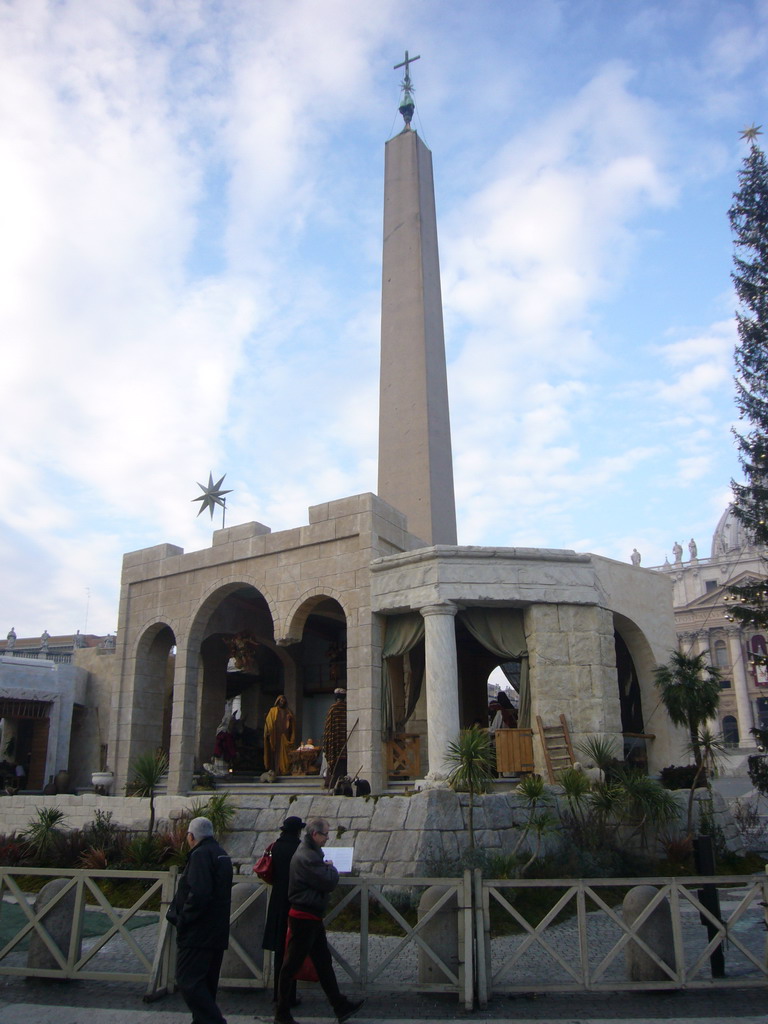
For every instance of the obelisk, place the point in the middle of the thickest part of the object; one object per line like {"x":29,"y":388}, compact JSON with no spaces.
{"x":415,"y":460}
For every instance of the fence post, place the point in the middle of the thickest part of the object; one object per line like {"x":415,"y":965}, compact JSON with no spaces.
{"x":481,"y":945}
{"x":164,"y":960}
{"x":466,"y":937}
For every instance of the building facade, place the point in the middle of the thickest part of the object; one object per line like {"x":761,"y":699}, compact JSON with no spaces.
{"x":55,"y":694}
{"x":704,"y":625}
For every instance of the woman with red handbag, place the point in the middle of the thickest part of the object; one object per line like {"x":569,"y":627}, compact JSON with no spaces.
{"x":276,"y":924}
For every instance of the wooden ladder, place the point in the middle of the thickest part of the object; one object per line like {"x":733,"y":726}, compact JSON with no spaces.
{"x":556,"y":741}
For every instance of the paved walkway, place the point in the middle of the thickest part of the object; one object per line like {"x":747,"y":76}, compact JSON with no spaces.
{"x":33,"y":1002}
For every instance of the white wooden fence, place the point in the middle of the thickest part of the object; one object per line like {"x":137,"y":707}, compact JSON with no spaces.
{"x":580,"y":942}
{"x":479,"y":938}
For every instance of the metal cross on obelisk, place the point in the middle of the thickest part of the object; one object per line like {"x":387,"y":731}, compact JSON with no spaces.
{"x":407,"y":106}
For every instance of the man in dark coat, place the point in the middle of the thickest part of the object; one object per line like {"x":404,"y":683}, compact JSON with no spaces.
{"x":276,"y":924}
{"x":200,"y":913}
{"x":312,"y":880}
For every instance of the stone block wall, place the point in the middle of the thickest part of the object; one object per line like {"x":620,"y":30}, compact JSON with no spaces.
{"x":80,"y":809}
{"x":393,"y":836}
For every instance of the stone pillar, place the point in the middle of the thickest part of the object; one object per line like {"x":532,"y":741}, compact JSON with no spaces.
{"x":740,"y":688}
{"x":58,"y":922}
{"x":655,"y":931}
{"x":572,"y":671}
{"x":184,"y":718}
{"x":441,"y":933}
{"x":442,"y":685}
{"x":248,"y":931}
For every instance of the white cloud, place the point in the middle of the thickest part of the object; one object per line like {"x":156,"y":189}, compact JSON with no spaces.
{"x":190,"y":210}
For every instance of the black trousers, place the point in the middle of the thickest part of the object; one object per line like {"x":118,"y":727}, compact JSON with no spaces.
{"x":197,"y":975}
{"x":307,"y":940}
{"x":277,"y":967}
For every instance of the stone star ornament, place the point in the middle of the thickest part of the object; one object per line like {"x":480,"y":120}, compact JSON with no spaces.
{"x":750,"y":134}
{"x":212,"y":495}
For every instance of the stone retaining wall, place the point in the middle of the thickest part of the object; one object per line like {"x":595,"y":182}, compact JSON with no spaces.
{"x":80,"y":809}
{"x":392,"y":835}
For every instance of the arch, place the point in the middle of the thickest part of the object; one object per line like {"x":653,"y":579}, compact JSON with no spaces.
{"x":234,"y":615}
{"x":148,"y":630}
{"x":318,"y":626}
{"x":221,"y":589}
{"x":304,"y":606}
{"x":152,"y":698}
{"x":635,"y":664}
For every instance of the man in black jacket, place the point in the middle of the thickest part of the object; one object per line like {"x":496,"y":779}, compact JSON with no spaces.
{"x":312,"y":880}
{"x":200,"y":912}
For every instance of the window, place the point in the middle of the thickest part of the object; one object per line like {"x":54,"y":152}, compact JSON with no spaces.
{"x":730,"y":731}
{"x":709,"y":586}
{"x":721,"y":655}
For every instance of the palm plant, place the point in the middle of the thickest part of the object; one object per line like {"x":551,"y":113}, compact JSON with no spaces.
{"x":41,"y":833}
{"x":602,"y":751}
{"x":576,"y":789}
{"x":690,"y":691}
{"x":147,"y":772}
{"x":533,"y":789}
{"x":538,"y":824}
{"x":218,"y":809}
{"x":643,"y":802}
{"x":473,"y":762}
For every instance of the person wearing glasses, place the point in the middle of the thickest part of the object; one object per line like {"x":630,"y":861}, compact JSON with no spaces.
{"x":312,"y":880}
{"x":200,"y":914}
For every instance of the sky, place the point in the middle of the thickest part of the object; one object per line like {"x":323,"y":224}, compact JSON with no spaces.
{"x":190,"y":262}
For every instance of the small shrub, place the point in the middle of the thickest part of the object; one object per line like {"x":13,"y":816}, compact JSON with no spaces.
{"x":502,"y":865}
{"x":143,"y":851}
{"x":101,"y":832}
{"x":570,"y":861}
{"x":93,"y":859}
{"x":679,"y":776}
{"x":678,"y":850}
{"x":11,"y":851}
{"x":752,"y":828}
{"x":66,"y":849}
{"x":172,"y":846}
{"x":757,"y":767}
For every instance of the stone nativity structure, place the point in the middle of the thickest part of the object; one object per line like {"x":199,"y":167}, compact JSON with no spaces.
{"x":374,"y":594}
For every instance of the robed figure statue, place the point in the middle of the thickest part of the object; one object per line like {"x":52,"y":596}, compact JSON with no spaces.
{"x":279,"y":737}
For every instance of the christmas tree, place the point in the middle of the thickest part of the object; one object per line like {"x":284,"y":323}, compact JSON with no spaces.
{"x":748,"y":216}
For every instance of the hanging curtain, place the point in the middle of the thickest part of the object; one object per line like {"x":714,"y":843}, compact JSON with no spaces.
{"x":400,"y":686}
{"x":500,"y":630}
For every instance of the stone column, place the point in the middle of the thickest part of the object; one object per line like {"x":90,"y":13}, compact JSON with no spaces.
{"x":442,"y":685}
{"x":186,"y":683}
{"x":740,"y":688}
